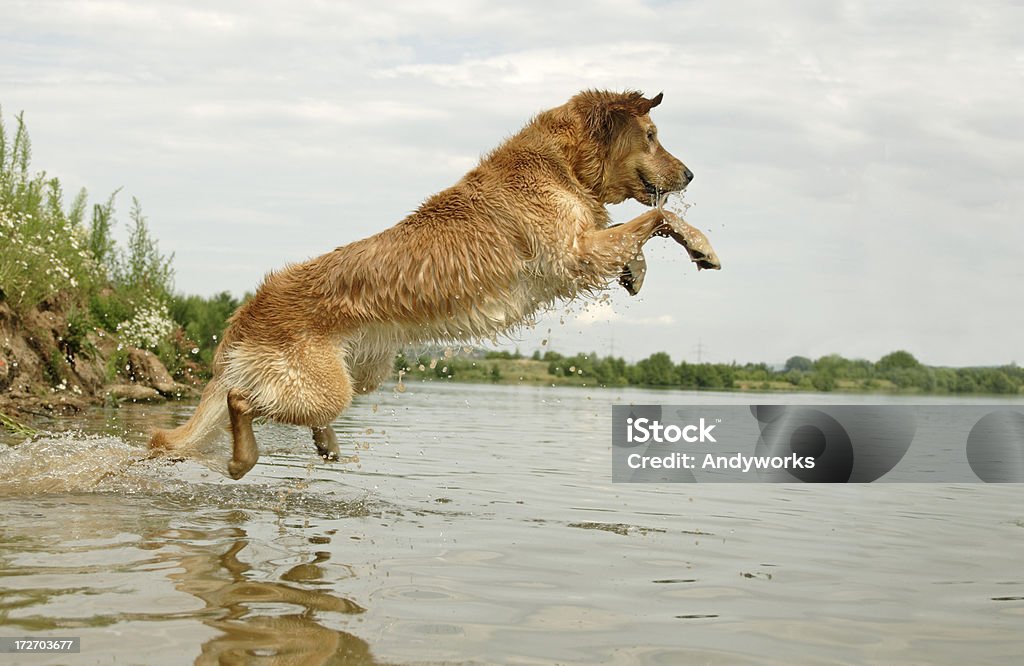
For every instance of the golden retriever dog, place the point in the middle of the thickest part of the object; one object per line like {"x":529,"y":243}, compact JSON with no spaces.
{"x":525,"y":228}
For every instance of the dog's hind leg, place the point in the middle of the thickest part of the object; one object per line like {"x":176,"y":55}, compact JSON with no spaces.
{"x":326,"y":442}
{"x":305,"y":383}
{"x":244,"y":452}
{"x":369,"y":372}
{"x":366,"y":374}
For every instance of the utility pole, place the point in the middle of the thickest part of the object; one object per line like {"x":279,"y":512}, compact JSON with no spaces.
{"x":700,"y":351}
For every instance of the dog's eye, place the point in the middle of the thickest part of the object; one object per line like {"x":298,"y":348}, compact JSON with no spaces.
{"x":650,"y":134}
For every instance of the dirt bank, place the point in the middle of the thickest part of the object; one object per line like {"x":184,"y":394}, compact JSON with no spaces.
{"x":49,"y":365}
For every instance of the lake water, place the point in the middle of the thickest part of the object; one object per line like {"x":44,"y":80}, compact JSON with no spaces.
{"x":479,"y":525}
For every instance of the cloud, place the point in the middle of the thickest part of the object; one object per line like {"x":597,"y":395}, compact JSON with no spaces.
{"x":597,"y":312}
{"x":577,"y":67}
{"x":603,"y":311}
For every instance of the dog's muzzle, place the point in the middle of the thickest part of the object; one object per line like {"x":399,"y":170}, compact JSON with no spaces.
{"x":655,"y":192}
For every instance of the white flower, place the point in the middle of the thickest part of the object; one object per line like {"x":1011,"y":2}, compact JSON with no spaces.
{"x":150,"y":325}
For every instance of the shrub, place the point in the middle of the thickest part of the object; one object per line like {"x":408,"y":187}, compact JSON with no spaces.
{"x":44,"y":247}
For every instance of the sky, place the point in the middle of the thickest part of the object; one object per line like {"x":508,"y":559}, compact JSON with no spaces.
{"x":856,"y":163}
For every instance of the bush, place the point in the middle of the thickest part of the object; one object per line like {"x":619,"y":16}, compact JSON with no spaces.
{"x":823,"y":382}
{"x":897,"y":360}
{"x":142,"y":273}
{"x":47,"y":251}
{"x":799,"y":363}
{"x":504,"y":355}
{"x":75,"y":341}
{"x":204,"y":321}
{"x":44,"y":246}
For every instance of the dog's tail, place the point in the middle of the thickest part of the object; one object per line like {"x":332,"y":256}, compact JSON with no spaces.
{"x":207,"y":422}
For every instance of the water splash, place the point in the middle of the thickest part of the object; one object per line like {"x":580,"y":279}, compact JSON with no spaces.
{"x":65,"y":462}
{"x":676,"y":202}
{"x":75,"y":463}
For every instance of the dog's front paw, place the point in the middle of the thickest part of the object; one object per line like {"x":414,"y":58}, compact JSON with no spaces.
{"x":695,"y":242}
{"x":632,"y":275}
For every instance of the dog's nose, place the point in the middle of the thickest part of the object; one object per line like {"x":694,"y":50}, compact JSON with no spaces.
{"x":688,"y":174}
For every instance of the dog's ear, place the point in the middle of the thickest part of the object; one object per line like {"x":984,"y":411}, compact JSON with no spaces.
{"x":642,"y":107}
{"x":635,"y":104}
{"x":649,"y":104}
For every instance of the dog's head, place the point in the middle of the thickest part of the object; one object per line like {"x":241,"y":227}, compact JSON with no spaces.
{"x":627,"y":160}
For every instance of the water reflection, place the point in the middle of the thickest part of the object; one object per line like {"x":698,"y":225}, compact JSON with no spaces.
{"x":208,"y":586}
{"x":260,"y":620}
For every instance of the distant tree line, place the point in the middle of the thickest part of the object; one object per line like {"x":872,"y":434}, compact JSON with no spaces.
{"x":895,"y":372}
{"x":898,"y":370}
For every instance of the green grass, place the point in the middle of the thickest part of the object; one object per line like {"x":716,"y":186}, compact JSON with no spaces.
{"x":16,"y":427}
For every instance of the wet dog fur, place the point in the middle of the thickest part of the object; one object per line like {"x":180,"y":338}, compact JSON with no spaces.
{"x":525,"y":228}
